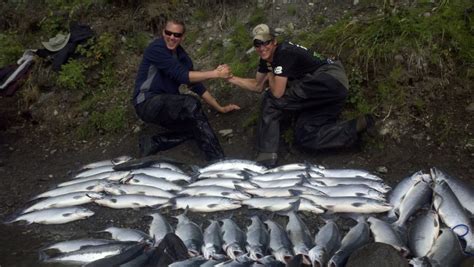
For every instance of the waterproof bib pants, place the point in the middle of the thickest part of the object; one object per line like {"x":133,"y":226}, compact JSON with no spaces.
{"x":183,"y":114}
{"x":318,"y":98}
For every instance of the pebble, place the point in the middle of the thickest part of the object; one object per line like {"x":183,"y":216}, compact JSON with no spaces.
{"x":226,"y":132}
{"x":470,"y":107}
{"x":382,"y":169}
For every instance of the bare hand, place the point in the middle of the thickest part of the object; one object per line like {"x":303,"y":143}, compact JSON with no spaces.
{"x":229,"y":108}
{"x":224,"y":71}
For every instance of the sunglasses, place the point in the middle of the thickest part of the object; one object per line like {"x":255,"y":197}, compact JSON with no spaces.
{"x":175,"y":34}
{"x":258,"y":43}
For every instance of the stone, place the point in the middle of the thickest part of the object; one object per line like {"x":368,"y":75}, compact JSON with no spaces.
{"x":226,"y":132}
{"x":137,"y":129}
{"x":399,"y":58}
{"x":291,"y":26}
{"x":382,"y":169}
{"x":418,"y":137}
{"x":279,"y":31}
{"x":470,"y":107}
{"x":226,"y":42}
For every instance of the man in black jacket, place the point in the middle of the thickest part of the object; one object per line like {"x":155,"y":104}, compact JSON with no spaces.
{"x":299,"y":80}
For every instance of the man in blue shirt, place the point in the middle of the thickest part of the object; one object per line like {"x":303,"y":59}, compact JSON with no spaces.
{"x":156,"y":98}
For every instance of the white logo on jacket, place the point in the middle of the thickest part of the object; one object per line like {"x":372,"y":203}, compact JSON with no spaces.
{"x":278,"y":70}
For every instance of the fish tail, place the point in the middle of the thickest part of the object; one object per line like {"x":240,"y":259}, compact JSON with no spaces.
{"x":43,"y":256}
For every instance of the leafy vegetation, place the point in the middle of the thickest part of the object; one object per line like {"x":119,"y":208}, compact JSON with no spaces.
{"x":60,"y":13}
{"x":98,"y":50}
{"x":424,"y":39}
{"x":72,"y":76}
{"x":257,"y":16}
{"x":234,"y":52}
{"x":10,"y":48}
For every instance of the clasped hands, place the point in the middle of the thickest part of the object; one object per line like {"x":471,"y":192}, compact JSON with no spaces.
{"x":224,"y":71}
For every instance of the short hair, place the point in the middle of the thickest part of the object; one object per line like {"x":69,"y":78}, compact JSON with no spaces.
{"x":176,"y":21}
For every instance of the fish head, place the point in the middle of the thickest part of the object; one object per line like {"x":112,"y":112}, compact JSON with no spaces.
{"x":427,"y":178}
{"x":338,"y":259}
{"x":244,"y":258}
{"x":436,"y":174}
{"x":283,"y":255}
{"x":255,"y":252}
{"x":193,"y":252}
{"x":386,"y":206}
{"x":385,"y":188}
{"x":372,"y":220}
{"x":95,"y":195}
{"x":300,"y":249}
{"x":255,"y":219}
{"x":267,"y":260}
{"x":208,"y":251}
{"x":181,"y":218}
{"x":318,"y":256}
{"x":120,"y":159}
{"x":234,"y":251}
{"x":305,"y":260}
{"x":376,"y":194}
{"x":193,"y":249}
{"x":419,"y":262}
{"x":117,"y":176}
{"x":246,"y":184}
{"x":373,"y":177}
{"x":404,"y":251}
{"x":113,"y":189}
{"x":112,"y":230}
{"x":233,"y":203}
{"x":243,"y":196}
{"x":126,"y":178}
{"x":100,"y":185}
{"x":83,"y":212}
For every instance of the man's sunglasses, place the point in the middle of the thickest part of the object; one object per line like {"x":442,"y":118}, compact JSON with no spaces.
{"x":175,"y":34}
{"x":258,"y":43}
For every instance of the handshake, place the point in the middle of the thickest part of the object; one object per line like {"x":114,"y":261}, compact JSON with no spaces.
{"x":224,"y":71}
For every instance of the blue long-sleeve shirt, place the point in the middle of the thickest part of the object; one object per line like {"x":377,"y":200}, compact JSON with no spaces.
{"x":161,"y":72}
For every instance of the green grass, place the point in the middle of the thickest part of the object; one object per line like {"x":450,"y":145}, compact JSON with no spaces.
{"x":137,"y":42}
{"x":201,"y":15}
{"x":436,"y":39}
{"x":107,"y":114}
{"x":441,"y":43}
{"x":10,"y":48}
{"x":257,"y":17}
{"x":72,"y":75}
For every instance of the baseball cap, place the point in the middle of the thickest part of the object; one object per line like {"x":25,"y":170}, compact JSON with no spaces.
{"x":262,"y":32}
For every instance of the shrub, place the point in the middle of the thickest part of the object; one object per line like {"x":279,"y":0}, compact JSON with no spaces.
{"x":10,"y":49}
{"x":72,"y":75}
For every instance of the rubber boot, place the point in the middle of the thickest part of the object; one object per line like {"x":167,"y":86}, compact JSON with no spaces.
{"x":208,"y":141}
{"x":150,"y":145}
{"x":267,"y":159}
{"x":169,"y":140}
